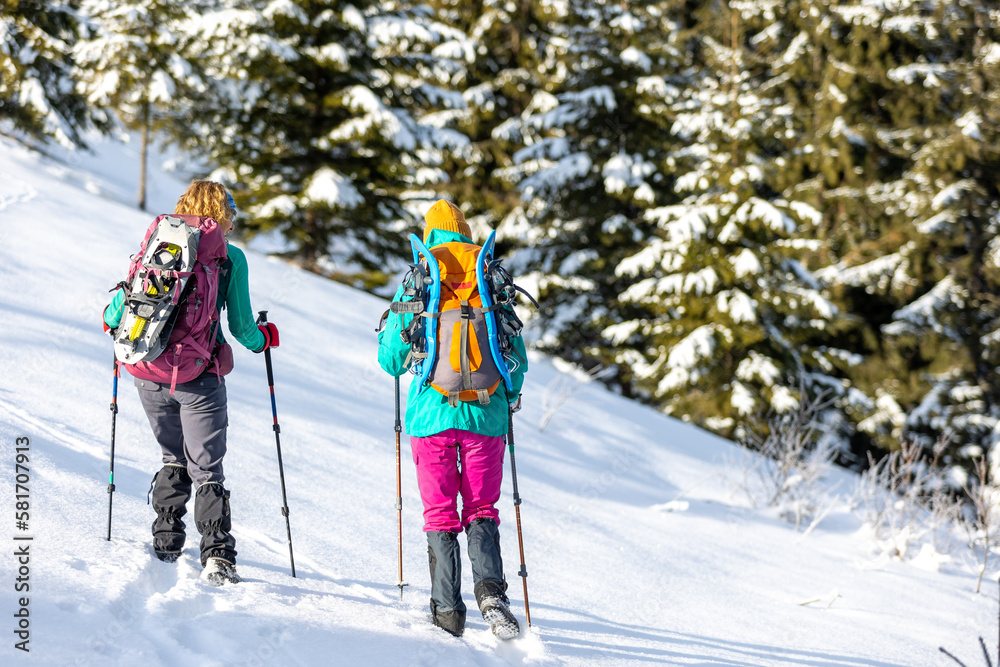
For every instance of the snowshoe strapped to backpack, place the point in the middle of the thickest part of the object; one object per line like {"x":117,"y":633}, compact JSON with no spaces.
{"x":169,"y":323}
{"x":460,"y":333}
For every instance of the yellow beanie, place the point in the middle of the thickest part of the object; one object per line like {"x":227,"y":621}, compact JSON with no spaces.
{"x":445,"y":215}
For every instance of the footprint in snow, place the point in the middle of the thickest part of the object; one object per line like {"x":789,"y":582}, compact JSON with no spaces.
{"x":14,"y":191}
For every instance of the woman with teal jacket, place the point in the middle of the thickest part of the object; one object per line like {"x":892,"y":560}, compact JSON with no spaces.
{"x":189,"y":420}
{"x":457,"y":450}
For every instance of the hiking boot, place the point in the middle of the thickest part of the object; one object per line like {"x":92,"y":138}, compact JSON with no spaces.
{"x":495,"y":607}
{"x":219,"y":571}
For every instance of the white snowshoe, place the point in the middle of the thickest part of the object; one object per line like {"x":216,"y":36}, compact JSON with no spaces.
{"x":219,"y":571}
{"x":153,"y":294}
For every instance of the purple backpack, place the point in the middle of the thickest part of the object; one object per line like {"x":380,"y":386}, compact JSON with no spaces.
{"x":170,"y":321}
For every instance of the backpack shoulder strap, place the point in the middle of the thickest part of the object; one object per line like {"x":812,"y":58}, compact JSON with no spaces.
{"x":225,"y":267}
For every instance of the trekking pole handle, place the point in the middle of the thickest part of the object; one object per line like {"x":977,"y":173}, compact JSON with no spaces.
{"x":398,"y":425}
{"x":262,"y":319}
{"x":513,"y":466}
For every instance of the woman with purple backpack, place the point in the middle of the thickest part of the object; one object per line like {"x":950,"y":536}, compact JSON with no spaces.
{"x":187,"y":411}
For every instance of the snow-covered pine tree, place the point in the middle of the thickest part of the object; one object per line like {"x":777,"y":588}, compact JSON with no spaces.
{"x":503,"y":69}
{"x":426,"y":58}
{"x":134,"y":63}
{"x":733,"y":326}
{"x":859,"y":137}
{"x":38,"y":94}
{"x":312,"y":122}
{"x":909,"y":222}
{"x":815,"y":62}
{"x":595,"y":147}
{"x":952,"y":199}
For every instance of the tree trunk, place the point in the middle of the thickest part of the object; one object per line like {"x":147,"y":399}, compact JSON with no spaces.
{"x":734,"y":87}
{"x":143,"y":150}
{"x":310,"y":250}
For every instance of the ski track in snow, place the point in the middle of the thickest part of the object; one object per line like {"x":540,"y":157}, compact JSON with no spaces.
{"x":616,"y":578}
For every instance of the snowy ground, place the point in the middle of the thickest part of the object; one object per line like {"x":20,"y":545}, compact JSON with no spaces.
{"x":615,"y":578}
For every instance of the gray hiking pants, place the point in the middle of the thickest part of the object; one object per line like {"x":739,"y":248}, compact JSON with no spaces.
{"x":189,"y":425}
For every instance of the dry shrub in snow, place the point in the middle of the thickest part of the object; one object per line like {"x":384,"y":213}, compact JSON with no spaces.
{"x":793,"y":460}
{"x":906,"y":501}
{"x":981,"y":519}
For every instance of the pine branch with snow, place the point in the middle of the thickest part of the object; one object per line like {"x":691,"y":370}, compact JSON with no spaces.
{"x":38,"y":76}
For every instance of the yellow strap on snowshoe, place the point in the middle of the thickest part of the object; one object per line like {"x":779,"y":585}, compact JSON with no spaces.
{"x":137,"y":328}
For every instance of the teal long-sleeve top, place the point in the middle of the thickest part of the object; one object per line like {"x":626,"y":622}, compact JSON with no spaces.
{"x":234,"y":297}
{"x":427,"y":410}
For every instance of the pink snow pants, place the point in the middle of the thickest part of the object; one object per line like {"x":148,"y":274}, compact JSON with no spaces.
{"x":441,"y":480}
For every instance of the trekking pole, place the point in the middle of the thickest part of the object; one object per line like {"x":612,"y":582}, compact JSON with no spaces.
{"x":262,"y":319}
{"x":399,"y":498}
{"x":523,"y":573}
{"x":111,"y":474}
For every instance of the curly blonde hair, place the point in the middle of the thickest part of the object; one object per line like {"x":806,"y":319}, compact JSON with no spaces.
{"x":207,"y":199}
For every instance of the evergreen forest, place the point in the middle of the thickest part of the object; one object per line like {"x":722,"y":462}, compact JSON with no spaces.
{"x":728,"y":210}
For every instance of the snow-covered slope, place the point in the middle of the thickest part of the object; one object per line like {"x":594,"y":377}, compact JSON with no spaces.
{"x":614,"y":577}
